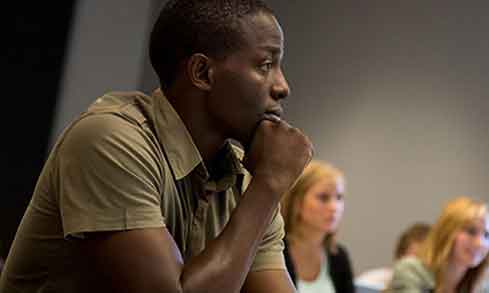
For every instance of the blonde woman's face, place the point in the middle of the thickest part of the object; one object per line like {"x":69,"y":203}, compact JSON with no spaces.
{"x":471,"y":243}
{"x":323,"y":205}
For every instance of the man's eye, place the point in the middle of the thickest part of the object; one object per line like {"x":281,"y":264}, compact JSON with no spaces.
{"x":265,"y":67}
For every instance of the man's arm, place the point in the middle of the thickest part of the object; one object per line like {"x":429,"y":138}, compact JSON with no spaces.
{"x":148,"y":260}
{"x":268,"y":281}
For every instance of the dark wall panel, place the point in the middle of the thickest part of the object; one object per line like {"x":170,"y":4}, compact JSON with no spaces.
{"x":36,"y":49}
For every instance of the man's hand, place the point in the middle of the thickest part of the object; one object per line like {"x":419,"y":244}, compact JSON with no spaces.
{"x":279,"y":153}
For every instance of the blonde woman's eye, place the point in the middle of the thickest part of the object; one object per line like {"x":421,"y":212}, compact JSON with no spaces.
{"x":323,"y":197}
{"x":472,"y":231}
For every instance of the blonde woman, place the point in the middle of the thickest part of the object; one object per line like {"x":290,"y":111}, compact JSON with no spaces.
{"x":453,"y":257}
{"x":312,"y":211}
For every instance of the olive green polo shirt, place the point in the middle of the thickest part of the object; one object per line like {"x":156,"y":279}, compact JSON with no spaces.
{"x":127,"y":163}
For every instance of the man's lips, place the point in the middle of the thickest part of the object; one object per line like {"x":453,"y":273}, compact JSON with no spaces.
{"x":274,"y":114}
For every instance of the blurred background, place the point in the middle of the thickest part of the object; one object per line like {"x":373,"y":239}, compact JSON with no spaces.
{"x":394,"y":93}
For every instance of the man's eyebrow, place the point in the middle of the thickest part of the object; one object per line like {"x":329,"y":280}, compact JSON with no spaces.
{"x":275,"y":50}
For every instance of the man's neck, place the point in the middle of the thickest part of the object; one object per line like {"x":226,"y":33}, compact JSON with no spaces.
{"x":188,"y":105}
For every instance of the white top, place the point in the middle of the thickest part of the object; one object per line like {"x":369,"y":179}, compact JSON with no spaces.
{"x":322,"y":284}
{"x":377,"y":279}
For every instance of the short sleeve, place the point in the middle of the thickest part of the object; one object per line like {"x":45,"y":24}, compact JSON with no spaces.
{"x":108,"y":177}
{"x":270,"y":252}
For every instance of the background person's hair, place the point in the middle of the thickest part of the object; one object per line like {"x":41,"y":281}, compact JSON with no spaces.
{"x":313,"y":173}
{"x":416,"y":233}
{"x":439,"y":243}
{"x":186,"y":27}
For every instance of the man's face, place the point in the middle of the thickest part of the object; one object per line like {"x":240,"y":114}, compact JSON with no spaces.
{"x":249,"y":83}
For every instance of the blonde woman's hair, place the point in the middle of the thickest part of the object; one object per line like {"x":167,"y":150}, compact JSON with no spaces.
{"x":313,"y":173}
{"x":436,"y":250}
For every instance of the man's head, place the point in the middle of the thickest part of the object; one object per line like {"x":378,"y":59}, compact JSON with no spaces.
{"x":186,"y":27}
{"x":410,"y":240}
{"x":230,"y":53}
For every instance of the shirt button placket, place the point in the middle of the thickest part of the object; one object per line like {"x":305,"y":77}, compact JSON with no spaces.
{"x":198,"y":233}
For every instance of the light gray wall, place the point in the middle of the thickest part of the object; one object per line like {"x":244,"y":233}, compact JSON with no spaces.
{"x":106,"y":53}
{"x":395,"y":94}
{"x":392,"y":92}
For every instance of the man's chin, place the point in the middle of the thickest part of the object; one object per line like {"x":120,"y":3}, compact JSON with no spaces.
{"x":246,"y":144}
{"x":236,"y":142}
{"x":247,"y":139}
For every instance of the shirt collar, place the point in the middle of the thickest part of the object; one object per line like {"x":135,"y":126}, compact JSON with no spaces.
{"x":184,"y":156}
{"x":227,"y":169}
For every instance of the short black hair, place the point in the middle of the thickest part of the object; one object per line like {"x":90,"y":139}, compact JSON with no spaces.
{"x":186,"y":27}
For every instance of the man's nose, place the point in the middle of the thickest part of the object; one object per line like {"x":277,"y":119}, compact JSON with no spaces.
{"x":280,"y":88}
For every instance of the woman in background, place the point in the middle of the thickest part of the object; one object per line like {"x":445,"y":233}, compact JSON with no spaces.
{"x":312,"y":211}
{"x":407,"y":245}
{"x":453,"y":257}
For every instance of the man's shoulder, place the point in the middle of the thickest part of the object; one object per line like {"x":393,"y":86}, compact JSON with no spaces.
{"x":115,"y":123}
{"x":132,"y":105}
{"x":100,"y":127}
{"x":114,"y":113}
{"x":117,"y":98}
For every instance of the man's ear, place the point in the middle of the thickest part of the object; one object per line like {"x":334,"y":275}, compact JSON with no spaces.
{"x":200,"y":71}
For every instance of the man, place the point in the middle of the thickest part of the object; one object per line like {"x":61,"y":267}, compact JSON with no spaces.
{"x":146,"y":194}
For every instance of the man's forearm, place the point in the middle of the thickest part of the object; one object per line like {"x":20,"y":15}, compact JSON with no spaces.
{"x":225,"y":263}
